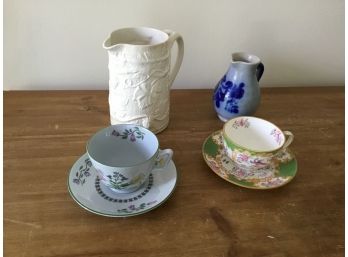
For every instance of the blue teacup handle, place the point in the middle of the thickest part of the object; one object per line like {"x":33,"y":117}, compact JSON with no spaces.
{"x":163,"y":158}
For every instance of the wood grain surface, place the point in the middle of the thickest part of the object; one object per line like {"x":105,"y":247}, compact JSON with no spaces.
{"x":46,"y":132}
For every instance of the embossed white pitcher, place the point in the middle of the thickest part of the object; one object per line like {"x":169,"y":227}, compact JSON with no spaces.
{"x":140,"y":75}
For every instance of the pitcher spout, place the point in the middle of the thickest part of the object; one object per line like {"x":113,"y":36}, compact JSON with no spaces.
{"x":109,"y":43}
{"x":245,"y":58}
{"x":141,"y":37}
{"x":248,"y":62}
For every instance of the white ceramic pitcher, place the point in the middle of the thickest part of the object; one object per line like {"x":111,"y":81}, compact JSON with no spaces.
{"x":140,"y":75}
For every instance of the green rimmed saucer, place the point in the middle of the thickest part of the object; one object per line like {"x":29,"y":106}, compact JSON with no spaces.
{"x":265,"y":178}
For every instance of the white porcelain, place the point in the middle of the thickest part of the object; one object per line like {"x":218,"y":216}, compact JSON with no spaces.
{"x":253,"y":142}
{"x":124,"y":155}
{"x":85,"y":188}
{"x":140,"y":75}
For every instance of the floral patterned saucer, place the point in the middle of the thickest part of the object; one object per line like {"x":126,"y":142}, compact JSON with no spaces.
{"x":264,"y":178}
{"x":87,"y":190}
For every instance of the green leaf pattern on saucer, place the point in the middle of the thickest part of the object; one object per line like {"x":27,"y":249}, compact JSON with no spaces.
{"x":132,"y":208}
{"x":272,"y":176}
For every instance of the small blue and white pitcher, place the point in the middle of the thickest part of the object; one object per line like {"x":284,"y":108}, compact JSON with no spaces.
{"x":238,"y":92}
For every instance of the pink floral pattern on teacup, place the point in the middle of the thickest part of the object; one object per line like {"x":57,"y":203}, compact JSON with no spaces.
{"x":246,"y":159}
{"x":247,"y":174}
{"x":242,"y":122}
{"x":277,"y":135}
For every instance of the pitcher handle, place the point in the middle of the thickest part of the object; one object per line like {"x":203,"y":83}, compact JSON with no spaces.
{"x":259,"y":71}
{"x":175,"y":37}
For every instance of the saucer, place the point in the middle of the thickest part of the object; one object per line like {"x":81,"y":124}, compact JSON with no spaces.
{"x":264,"y":178}
{"x":86,"y":189}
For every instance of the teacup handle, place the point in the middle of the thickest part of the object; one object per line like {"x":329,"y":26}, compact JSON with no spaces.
{"x":175,"y":36}
{"x":163,"y":158}
{"x":290,"y":138}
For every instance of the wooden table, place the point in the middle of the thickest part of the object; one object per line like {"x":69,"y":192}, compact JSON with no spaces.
{"x":46,"y":132}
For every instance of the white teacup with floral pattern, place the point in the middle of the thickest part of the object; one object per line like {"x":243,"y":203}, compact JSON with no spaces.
{"x":254,"y":143}
{"x":124,"y":155}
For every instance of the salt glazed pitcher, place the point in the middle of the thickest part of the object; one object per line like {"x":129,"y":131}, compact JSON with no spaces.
{"x":140,"y":75}
{"x":238,"y":92}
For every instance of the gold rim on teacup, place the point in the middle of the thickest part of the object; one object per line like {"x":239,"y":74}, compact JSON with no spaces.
{"x":254,"y":142}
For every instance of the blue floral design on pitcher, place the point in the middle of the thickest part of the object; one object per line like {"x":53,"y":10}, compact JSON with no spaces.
{"x":230,"y":92}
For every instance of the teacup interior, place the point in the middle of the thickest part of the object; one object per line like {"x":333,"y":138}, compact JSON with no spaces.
{"x":122,"y":145}
{"x":254,"y":134}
